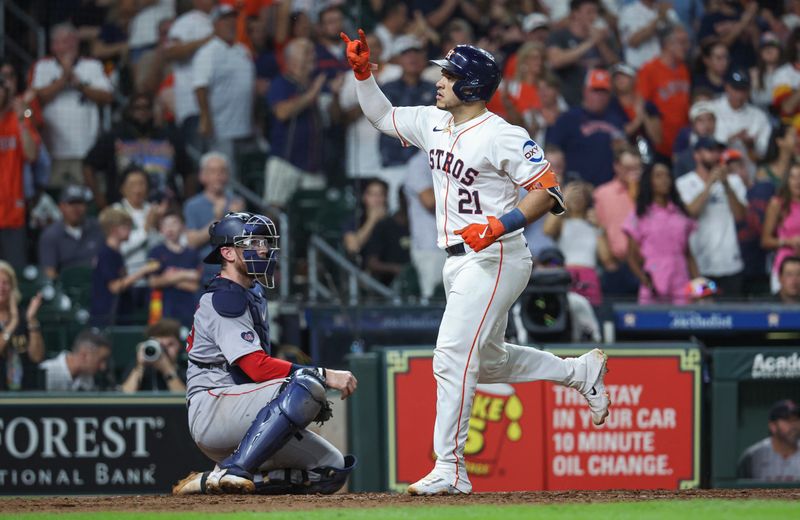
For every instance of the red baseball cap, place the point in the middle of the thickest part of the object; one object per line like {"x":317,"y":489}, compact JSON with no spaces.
{"x":731,"y":154}
{"x":598,"y":79}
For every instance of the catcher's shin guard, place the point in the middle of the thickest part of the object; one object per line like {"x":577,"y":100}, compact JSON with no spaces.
{"x":291,"y":411}
{"x":325,"y":480}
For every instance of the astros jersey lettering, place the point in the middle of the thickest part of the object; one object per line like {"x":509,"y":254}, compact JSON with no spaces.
{"x":477,"y":165}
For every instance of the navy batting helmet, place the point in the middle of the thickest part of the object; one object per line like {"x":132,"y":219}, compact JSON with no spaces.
{"x":476,"y":69}
{"x":254,"y":234}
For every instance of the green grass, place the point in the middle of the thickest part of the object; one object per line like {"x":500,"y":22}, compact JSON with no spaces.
{"x":667,"y":510}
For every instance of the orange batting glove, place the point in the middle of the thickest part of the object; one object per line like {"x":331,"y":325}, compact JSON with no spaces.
{"x":358,"y":55}
{"x":481,"y":236}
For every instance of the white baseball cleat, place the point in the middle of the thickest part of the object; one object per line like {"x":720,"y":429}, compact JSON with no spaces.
{"x":594,"y":390}
{"x":222,"y":481}
{"x":193,"y":484}
{"x":434,"y":484}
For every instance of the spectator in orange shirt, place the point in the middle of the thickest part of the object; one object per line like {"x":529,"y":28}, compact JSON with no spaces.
{"x":643,"y":128}
{"x":519,"y":95}
{"x":17,"y":145}
{"x":248,"y":10}
{"x":536,"y":27}
{"x":664,"y":81}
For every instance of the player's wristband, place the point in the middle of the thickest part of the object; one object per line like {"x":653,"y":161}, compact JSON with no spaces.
{"x":321,"y":372}
{"x":513,"y":220}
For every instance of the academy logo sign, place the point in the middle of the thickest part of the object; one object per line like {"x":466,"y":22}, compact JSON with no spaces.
{"x":776,"y":367}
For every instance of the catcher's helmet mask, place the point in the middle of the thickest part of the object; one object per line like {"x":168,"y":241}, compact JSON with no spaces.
{"x":257,"y":237}
{"x":477,"y":72}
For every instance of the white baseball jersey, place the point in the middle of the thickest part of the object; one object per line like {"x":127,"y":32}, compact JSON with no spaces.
{"x":478,"y":165}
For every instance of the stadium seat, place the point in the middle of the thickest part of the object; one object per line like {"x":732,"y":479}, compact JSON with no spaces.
{"x":124,"y":339}
{"x":76,"y":282}
{"x":251,"y":170}
{"x":30,"y":281}
{"x":407,"y":283}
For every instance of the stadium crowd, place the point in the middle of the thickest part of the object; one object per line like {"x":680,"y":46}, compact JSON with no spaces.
{"x":672,"y":125}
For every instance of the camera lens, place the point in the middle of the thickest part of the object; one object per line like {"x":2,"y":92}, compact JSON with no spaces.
{"x":151,"y":350}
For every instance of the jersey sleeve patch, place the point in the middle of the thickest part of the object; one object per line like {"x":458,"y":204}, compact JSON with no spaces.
{"x":230,"y":304}
{"x":532,"y":152}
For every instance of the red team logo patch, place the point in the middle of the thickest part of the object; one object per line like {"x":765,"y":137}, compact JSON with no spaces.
{"x":248,"y":336}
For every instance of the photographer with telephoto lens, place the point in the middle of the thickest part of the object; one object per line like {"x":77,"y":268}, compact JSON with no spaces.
{"x":156,"y":366}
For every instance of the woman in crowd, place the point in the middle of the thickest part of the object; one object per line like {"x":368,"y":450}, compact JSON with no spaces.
{"x":712,"y":67}
{"x":781,"y":230}
{"x":373,"y":208}
{"x":581,"y":241}
{"x":21,"y":342}
{"x":782,"y":149}
{"x":658,"y":249}
{"x":770,"y":57}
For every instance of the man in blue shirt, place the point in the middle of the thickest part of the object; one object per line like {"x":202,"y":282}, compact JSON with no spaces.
{"x":587,"y":133}
{"x":210,"y":205}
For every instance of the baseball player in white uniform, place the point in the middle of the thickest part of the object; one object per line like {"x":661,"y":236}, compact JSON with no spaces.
{"x":248,"y":411}
{"x":478,"y":162}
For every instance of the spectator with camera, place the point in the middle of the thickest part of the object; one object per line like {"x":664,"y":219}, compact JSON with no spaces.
{"x":548,"y":302}
{"x":138,"y":141}
{"x":74,"y":240}
{"x":178,"y":277}
{"x":156,"y":366}
{"x":21,"y":342}
{"x":75,"y":370}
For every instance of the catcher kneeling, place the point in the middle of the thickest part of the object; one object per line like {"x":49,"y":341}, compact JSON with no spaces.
{"x":249,"y":411}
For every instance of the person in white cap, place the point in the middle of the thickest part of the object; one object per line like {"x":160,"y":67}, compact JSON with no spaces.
{"x":702,"y":123}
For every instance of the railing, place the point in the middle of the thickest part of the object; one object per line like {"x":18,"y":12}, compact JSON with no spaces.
{"x":284,"y":256}
{"x":19,"y":16}
{"x":355,"y":277}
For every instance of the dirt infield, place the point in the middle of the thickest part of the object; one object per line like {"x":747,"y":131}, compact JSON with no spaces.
{"x":364,"y":500}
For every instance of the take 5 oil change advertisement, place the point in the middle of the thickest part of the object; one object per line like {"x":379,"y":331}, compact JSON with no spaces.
{"x":539,"y":436}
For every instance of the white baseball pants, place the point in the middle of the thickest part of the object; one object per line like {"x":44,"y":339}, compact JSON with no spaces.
{"x":480,"y":289}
